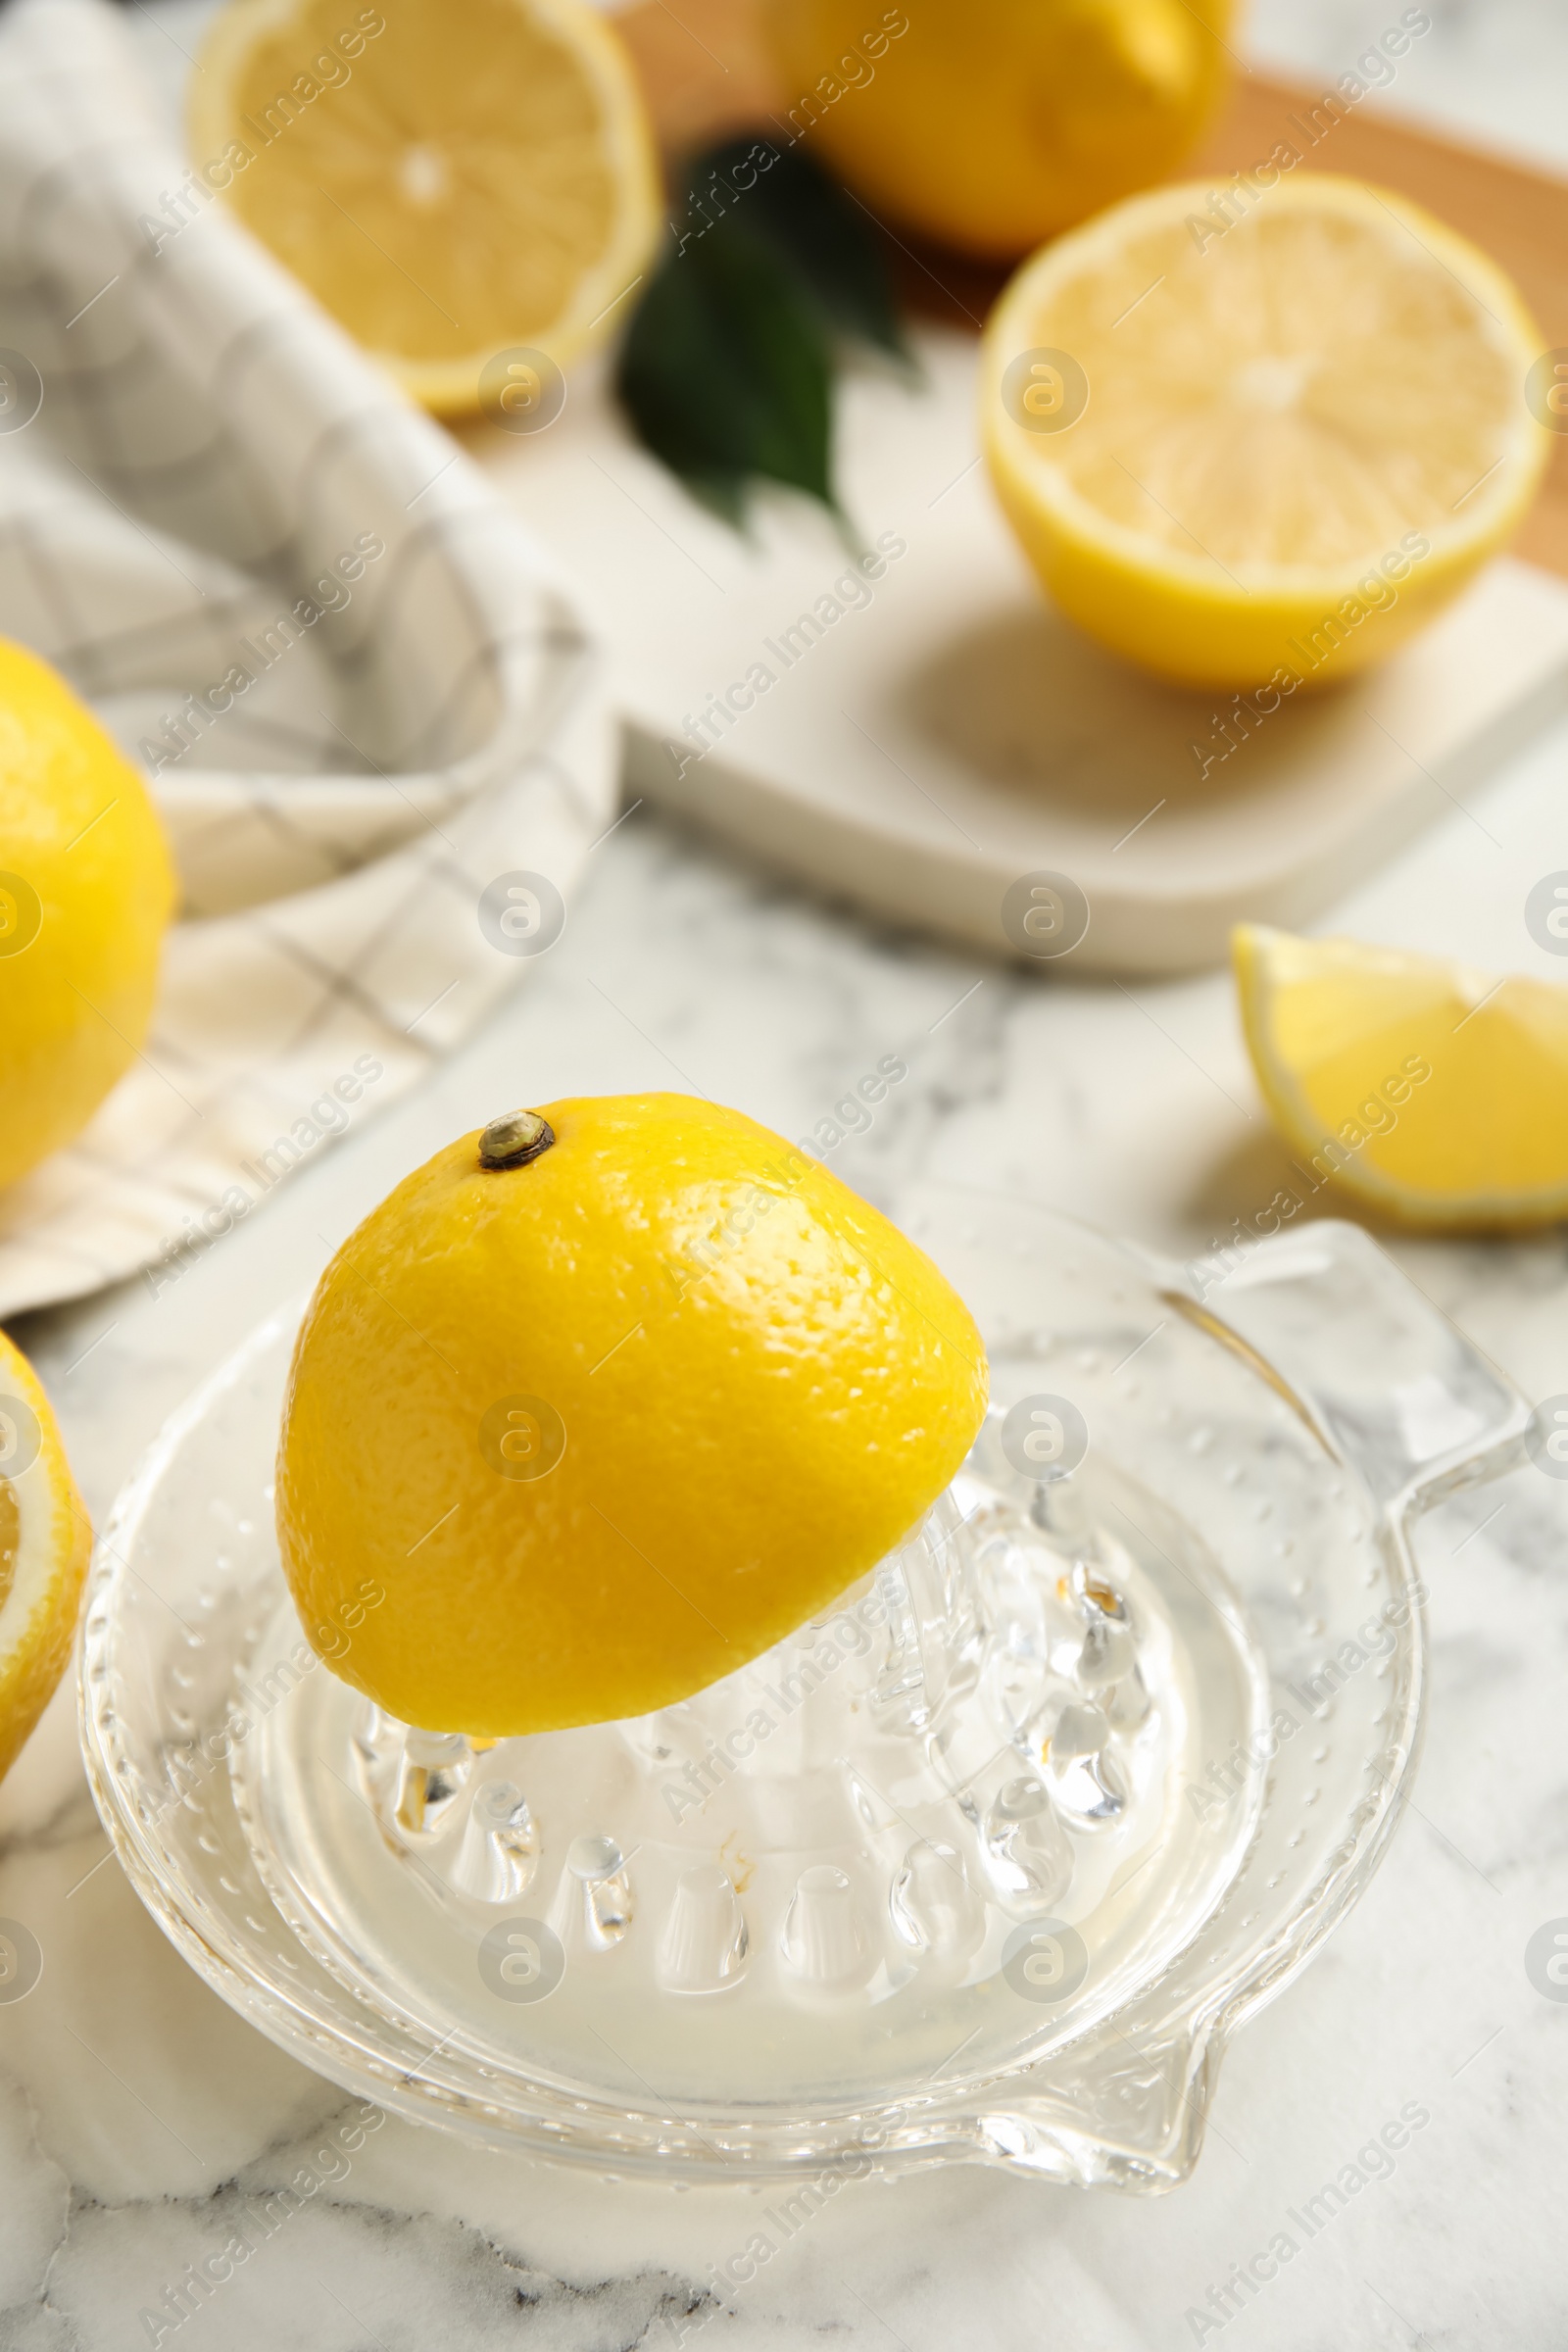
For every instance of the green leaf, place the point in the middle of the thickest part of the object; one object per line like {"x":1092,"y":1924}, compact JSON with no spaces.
{"x":782,"y":196}
{"x":725,"y":373}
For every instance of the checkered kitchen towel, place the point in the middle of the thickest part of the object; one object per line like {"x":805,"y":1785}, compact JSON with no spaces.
{"x":362,"y":695}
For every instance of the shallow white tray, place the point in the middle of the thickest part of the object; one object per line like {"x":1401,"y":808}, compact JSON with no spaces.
{"x":946,"y":733}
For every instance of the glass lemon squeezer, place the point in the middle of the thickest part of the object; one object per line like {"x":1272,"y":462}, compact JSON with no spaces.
{"x":988,"y":1864}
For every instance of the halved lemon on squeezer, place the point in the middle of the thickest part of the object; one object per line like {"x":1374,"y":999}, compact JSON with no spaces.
{"x":598,"y":1405}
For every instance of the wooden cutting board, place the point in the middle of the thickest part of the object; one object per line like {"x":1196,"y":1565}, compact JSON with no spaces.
{"x":950,"y":734}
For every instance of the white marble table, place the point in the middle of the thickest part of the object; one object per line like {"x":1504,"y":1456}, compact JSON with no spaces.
{"x":135,"y":2109}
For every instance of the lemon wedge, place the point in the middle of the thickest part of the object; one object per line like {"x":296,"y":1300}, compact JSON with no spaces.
{"x":45,"y":1538}
{"x":1433,"y":1093}
{"x":1268,"y":428}
{"x":452,"y":183}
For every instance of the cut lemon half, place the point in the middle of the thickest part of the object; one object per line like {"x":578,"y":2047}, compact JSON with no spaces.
{"x":675,"y":1388}
{"x":1272,"y":428}
{"x":1433,"y":1092}
{"x":1002,"y":122}
{"x":44,"y":1542}
{"x":453,"y":184}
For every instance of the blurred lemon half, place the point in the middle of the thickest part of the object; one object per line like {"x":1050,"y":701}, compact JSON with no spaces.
{"x":44,"y":1542}
{"x":992,"y":124}
{"x":452,"y":183}
{"x":1275,"y":431}
{"x":1434,"y":1093}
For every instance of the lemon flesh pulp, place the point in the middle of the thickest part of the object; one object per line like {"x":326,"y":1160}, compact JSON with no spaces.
{"x":464,"y":184}
{"x":1436,"y":1093}
{"x":87,"y":889}
{"x":45,"y":1538}
{"x":571,"y":1440}
{"x":1290,"y":441}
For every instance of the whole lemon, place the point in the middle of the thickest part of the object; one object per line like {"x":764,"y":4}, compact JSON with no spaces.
{"x":87,"y":889}
{"x":599,"y":1405}
{"x":993,"y":123}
